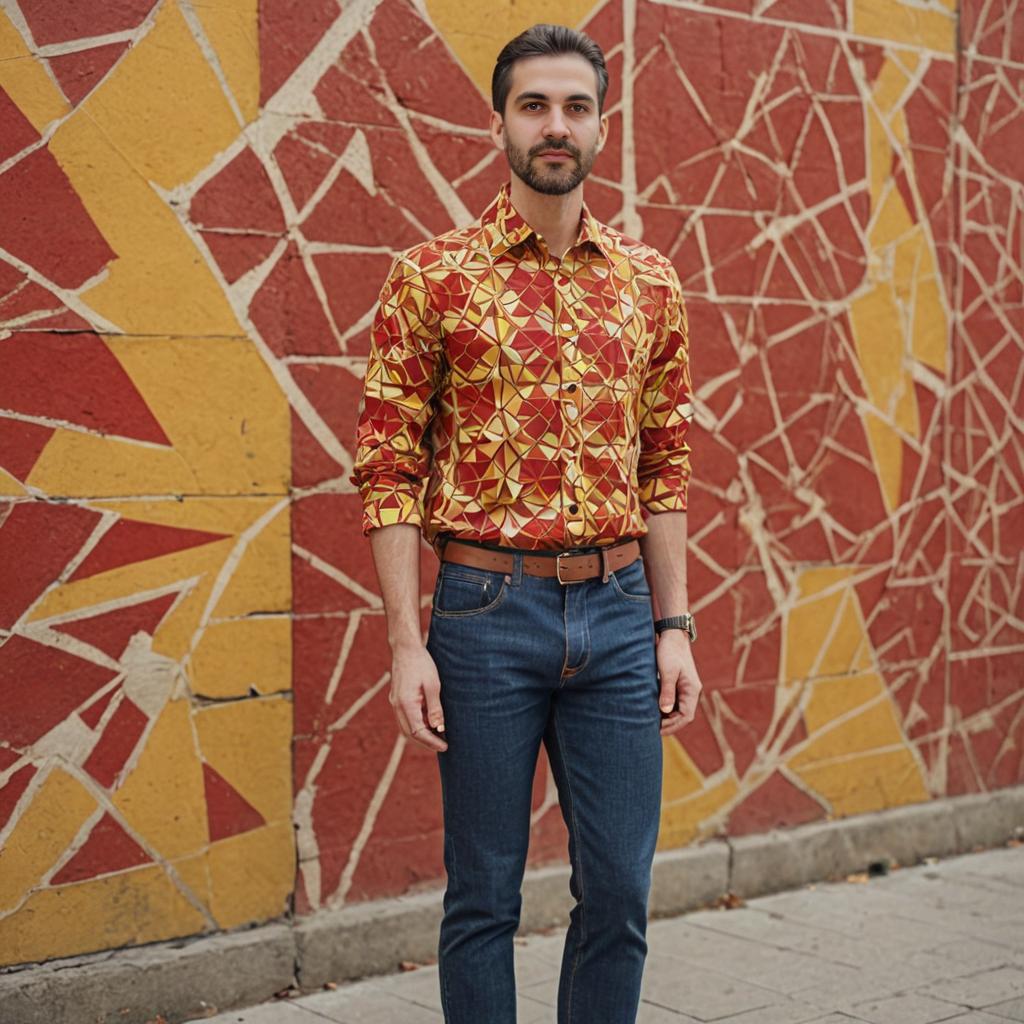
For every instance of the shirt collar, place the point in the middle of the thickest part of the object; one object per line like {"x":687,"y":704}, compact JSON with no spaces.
{"x":504,"y":227}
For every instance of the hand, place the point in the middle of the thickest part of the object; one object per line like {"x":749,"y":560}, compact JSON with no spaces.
{"x":416,"y":696}
{"x":680,"y":684}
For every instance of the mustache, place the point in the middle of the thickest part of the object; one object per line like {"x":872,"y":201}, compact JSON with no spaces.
{"x":547,"y":147}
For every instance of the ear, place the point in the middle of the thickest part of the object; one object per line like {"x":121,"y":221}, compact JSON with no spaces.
{"x":497,"y":127}
{"x":602,"y":134}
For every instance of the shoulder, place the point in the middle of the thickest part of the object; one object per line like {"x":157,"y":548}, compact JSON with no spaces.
{"x":647,"y":264}
{"x":436,"y":256}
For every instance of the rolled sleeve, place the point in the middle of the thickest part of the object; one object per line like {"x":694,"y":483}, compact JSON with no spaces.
{"x":392,"y":434}
{"x":663,"y":470}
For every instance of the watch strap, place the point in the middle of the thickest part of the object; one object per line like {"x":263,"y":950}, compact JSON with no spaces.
{"x":684,"y":622}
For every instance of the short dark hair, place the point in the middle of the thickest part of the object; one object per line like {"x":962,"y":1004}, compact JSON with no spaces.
{"x":546,"y":41}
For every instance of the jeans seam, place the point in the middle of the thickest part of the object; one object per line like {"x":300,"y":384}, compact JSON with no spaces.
{"x":499,"y":599}
{"x":579,"y":868}
{"x":569,"y":671}
{"x":625,"y":593}
{"x":449,"y":850}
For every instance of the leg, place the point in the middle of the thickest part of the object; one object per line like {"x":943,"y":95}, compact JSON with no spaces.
{"x":496,"y":702}
{"x":605,"y":749}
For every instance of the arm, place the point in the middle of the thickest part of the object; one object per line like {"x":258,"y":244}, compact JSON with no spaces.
{"x":663,"y":475}
{"x":415,"y":687}
{"x":392,"y":460}
{"x":664,"y":552}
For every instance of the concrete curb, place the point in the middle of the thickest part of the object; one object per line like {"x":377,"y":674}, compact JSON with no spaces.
{"x":179,"y":980}
{"x":184,"y":979}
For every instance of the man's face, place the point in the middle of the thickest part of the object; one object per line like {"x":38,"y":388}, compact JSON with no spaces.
{"x":551,"y":130}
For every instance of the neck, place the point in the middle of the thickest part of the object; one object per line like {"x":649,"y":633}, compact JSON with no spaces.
{"x":555,"y":218}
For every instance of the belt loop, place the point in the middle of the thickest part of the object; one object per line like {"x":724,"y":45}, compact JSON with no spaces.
{"x":604,"y":564}
{"x":517,"y":569}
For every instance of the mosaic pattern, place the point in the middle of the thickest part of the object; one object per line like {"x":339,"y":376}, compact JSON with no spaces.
{"x":588,"y":357}
{"x":199,"y":204}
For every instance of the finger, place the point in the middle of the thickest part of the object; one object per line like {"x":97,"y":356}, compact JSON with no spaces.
{"x":435,"y":713}
{"x":403,"y":725}
{"x":407,"y":725}
{"x":689,"y":694}
{"x":418,"y":727}
{"x":426,"y":738}
{"x":667,"y":694}
{"x":672,"y":724}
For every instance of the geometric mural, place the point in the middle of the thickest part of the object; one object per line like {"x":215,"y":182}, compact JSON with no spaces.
{"x":198,"y":205}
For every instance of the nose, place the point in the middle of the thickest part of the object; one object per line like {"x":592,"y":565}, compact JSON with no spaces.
{"x":556,"y":126}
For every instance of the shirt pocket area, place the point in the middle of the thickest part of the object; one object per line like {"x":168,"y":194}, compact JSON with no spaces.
{"x":462,"y":590}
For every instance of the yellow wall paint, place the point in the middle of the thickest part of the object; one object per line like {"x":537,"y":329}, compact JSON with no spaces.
{"x":824,"y":632}
{"x":901,"y":315}
{"x":249,"y":744}
{"x":159,"y":284}
{"x":25,"y":80}
{"x":10,"y":487}
{"x":141,"y":905}
{"x":687,"y":801}
{"x":847,"y":709}
{"x":866,"y":782}
{"x":476,"y":30}
{"x":240,"y":654}
{"x":691,"y":817}
{"x":894,"y":21}
{"x":233,"y":31}
{"x":261,"y":569}
{"x":41,"y":836}
{"x":163,"y":798}
{"x":262,"y":580}
{"x":197,"y":389}
{"x":251,"y":875}
{"x":162,"y":107}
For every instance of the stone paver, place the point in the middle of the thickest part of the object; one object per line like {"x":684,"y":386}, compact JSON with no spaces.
{"x":941,"y":942}
{"x":910,"y":1008}
{"x":1012,"y":1009}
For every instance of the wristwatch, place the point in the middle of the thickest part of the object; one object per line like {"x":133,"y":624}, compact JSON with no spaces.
{"x":684,"y":622}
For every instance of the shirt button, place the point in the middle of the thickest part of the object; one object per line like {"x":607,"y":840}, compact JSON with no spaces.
{"x":565,"y":328}
{"x":573,"y":509}
{"x":570,"y":388}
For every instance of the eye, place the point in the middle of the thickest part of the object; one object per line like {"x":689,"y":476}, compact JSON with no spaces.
{"x":532,"y":105}
{"x":579,"y":108}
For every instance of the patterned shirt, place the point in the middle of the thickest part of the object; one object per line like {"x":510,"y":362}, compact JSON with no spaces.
{"x":517,"y":399}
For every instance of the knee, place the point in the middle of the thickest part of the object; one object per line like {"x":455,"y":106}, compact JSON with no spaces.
{"x":617,"y":891}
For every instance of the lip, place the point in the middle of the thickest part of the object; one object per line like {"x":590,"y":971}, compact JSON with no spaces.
{"x":555,"y":154}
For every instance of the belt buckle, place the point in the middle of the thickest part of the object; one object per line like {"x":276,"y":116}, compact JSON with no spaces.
{"x":558,"y":568}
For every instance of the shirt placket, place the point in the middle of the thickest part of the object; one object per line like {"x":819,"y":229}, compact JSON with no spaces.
{"x":571,"y":396}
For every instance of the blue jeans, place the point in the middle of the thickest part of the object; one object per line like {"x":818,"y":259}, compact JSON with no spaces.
{"x":524,"y":659}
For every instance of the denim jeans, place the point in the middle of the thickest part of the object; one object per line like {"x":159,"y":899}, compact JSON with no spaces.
{"x":524,"y":660}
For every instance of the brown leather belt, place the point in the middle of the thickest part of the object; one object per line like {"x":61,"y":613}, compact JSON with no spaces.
{"x":564,"y":566}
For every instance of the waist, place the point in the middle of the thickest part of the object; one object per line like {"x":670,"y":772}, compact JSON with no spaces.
{"x":573,"y":565}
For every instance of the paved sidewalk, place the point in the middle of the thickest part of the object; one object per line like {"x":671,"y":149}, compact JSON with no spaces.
{"x":938,"y":942}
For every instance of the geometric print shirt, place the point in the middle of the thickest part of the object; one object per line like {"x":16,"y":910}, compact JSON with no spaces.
{"x":516,"y":399}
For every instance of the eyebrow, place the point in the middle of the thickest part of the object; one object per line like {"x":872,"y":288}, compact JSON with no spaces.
{"x":575,"y":98}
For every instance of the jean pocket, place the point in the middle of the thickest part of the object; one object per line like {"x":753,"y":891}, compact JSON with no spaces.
{"x":631,"y":581}
{"x":462,"y":591}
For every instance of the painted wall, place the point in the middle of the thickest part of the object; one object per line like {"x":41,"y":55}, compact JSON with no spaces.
{"x":198,"y":203}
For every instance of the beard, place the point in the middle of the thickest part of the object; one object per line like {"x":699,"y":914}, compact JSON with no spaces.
{"x":554,"y":179}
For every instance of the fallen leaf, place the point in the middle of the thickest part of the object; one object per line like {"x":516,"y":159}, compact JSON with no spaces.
{"x":729,"y":901}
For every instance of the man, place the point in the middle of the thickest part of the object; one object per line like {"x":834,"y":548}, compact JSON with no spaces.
{"x":526,"y":406}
